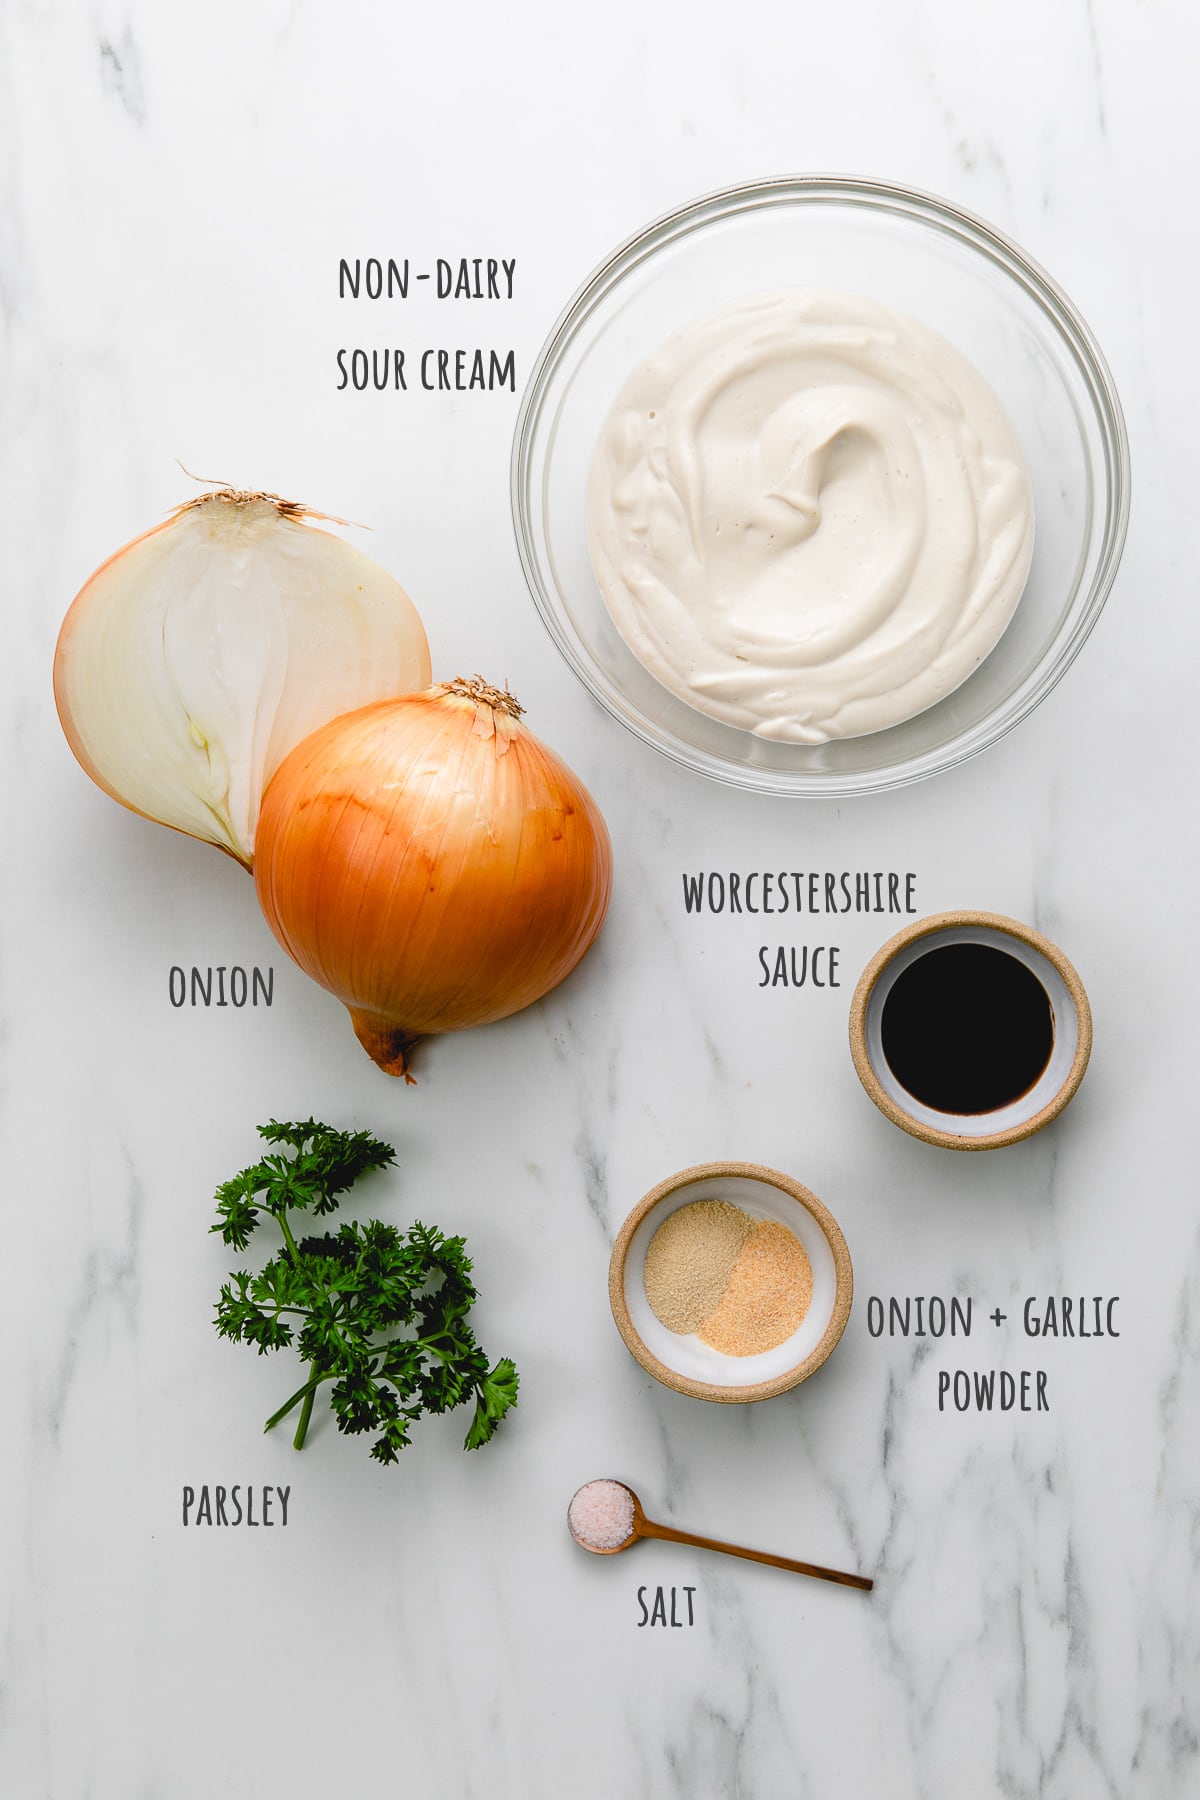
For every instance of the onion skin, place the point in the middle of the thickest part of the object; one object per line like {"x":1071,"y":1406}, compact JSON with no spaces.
{"x":432,"y":864}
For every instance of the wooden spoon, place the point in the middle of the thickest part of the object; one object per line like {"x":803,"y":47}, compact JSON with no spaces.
{"x":643,"y":1527}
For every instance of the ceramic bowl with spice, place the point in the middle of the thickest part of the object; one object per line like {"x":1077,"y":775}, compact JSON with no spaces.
{"x":730,"y":1282}
{"x":970,"y":1030}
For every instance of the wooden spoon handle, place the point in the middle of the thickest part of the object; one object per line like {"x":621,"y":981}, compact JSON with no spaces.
{"x":669,"y":1535}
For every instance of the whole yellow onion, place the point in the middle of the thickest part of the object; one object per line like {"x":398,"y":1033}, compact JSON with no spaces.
{"x":432,"y":864}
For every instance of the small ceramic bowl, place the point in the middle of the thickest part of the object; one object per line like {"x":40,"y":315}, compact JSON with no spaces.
{"x":1033,"y":1109}
{"x":684,"y":1362}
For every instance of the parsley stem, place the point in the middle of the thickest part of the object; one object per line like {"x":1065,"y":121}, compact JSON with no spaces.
{"x":292,"y":1245}
{"x":304,"y":1393}
{"x":305,"y":1415}
{"x":308,"y":1392}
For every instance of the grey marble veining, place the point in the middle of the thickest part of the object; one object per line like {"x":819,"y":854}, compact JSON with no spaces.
{"x":174,"y":196}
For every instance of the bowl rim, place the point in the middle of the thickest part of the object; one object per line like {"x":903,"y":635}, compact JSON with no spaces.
{"x":932,"y":210}
{"x":747,"y":1391}
{"x":930,"y":927}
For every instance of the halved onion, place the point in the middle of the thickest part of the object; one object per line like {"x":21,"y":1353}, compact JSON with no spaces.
{"x":198,"y":656}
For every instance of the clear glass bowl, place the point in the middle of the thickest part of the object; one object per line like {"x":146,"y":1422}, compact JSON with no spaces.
{"x":926,"y":258}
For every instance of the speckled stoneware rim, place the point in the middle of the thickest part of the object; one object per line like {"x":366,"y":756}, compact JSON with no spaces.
{"x":707,"y":1390}
{"x":931,"y":927}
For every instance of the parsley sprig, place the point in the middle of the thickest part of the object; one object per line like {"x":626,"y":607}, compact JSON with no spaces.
{"x":379,"y":1314}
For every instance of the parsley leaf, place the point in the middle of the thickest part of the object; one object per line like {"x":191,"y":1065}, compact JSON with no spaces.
{"x":379,"y":1314}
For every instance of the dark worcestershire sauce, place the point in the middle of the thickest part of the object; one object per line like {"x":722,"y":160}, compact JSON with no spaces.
{"x":967,"y":1028}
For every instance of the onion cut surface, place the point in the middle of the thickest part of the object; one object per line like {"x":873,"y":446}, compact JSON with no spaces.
{"x":197,"y":657}
{"x":432,"y":864}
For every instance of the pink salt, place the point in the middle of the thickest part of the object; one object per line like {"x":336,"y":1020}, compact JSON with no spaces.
{"x":601,"y":1514}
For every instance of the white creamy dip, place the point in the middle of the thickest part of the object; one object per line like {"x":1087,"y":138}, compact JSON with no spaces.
{"x":809,"y":516}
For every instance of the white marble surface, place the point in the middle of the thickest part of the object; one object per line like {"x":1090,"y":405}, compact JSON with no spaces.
{"x":178,"y":186}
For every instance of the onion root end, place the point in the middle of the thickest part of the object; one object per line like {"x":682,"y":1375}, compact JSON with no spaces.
{"x":387,"y":1046}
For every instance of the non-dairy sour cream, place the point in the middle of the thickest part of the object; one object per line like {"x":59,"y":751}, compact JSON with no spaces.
{"x":809,"y":516}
